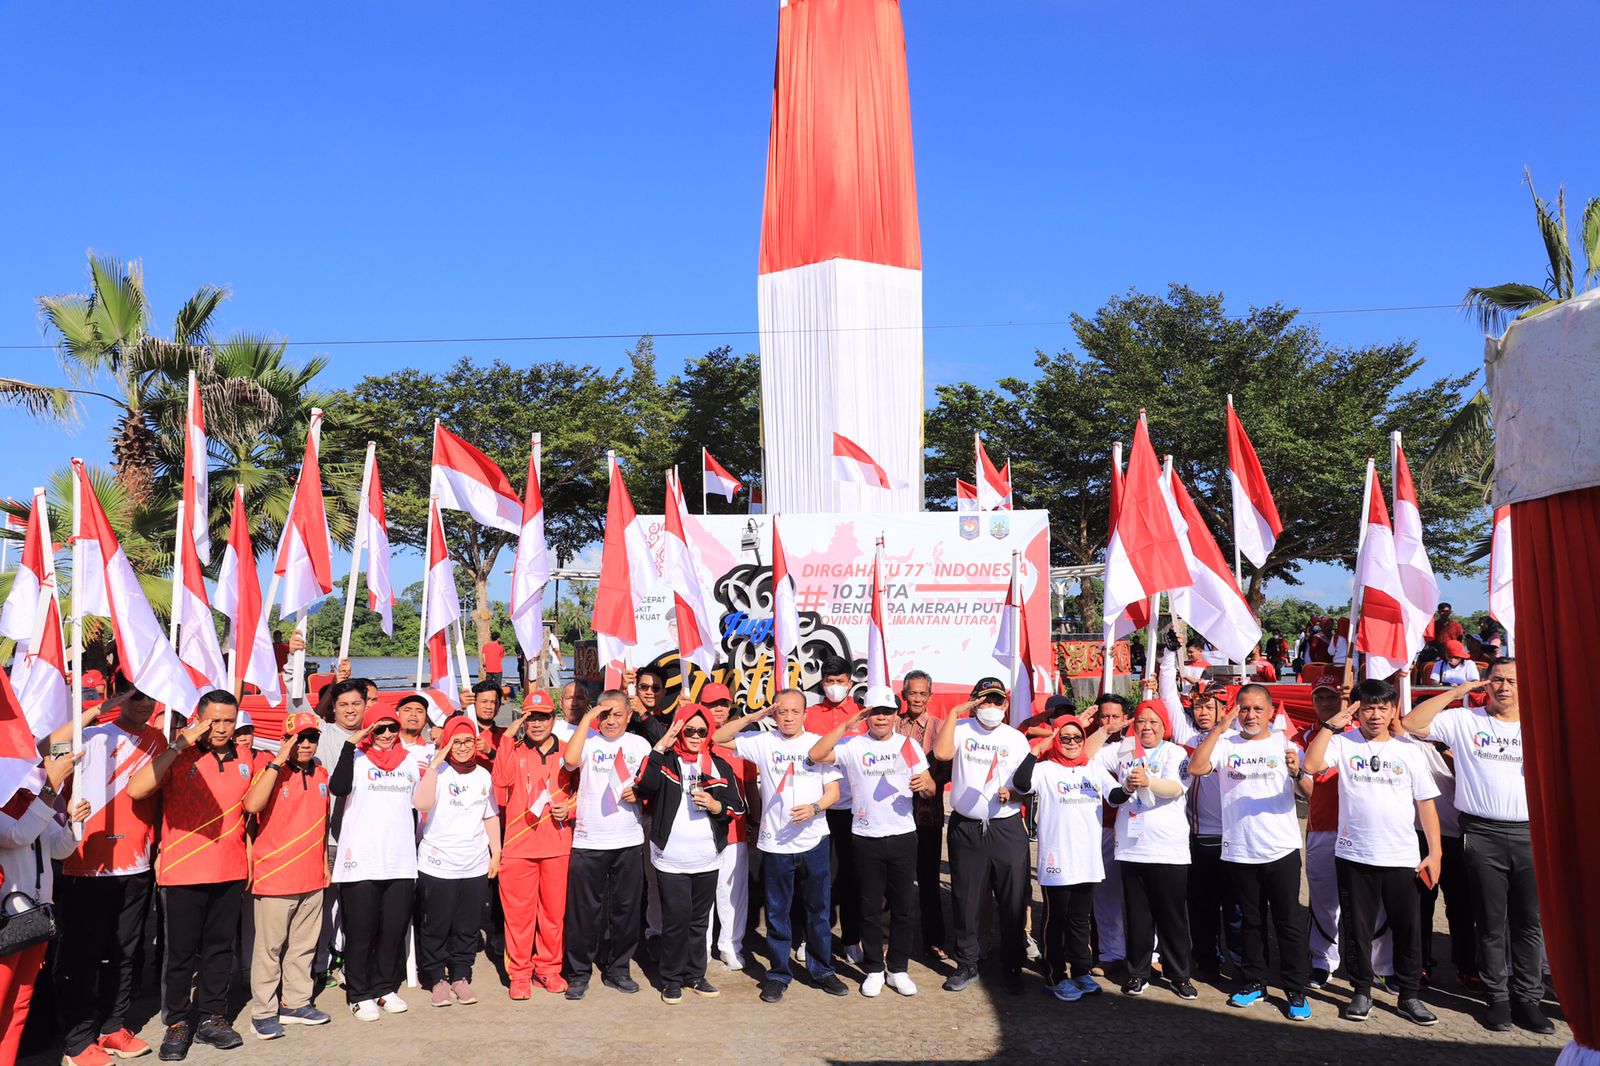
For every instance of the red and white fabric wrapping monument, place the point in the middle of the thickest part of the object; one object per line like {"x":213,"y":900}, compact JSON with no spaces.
{"x":1544,"y":389}
{"x":840,"y":289}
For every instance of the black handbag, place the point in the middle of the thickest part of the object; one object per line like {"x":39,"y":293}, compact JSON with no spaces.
{"x":24,"y":921}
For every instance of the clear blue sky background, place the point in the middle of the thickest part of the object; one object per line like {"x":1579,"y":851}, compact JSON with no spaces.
{"x":425,"y":170}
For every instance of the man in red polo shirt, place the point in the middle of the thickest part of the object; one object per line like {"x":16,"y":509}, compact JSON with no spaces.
{"x":836,"y":707}
{"x":201,"y":871}
{"x":534,"y":790}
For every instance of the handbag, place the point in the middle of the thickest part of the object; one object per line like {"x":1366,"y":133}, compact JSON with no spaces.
{"x":24,"y":921}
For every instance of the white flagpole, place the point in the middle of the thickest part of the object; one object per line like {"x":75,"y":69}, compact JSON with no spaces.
{"x":461,"y":655}
{"x":537,"y":670}
{"x":427,"y":580}
{"x":357,"y":544}
{"x":297,"y":662}
{"x":1394,"y":507}
{"x":1355,"y":598}
{"x":77,"y":624}
{"x":705,"y":496}
{"x":172,"y":620}
{"x":1108,"y":630}
{"x":1238,"y":561}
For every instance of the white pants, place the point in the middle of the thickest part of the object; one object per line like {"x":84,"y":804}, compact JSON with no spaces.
{"x":1108,"y":903}
{"x":732,"y":907}
{"x":1323,"y":880}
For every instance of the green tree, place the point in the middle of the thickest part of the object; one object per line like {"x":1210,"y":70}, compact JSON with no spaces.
{"x":717,"y":400}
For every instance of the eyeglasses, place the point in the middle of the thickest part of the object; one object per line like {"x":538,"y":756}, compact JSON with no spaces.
{"x":387,"y":727}
{"x":648,"y":688}
{"x":464,"y":740}
{"x":694,"y":732}
{"x":1071,"y":740}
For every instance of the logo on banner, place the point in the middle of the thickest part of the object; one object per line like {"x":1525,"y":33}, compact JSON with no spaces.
{"x":999,"y":525}
{"x":969,"y":527}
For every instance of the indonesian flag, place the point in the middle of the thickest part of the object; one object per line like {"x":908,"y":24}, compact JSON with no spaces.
{"x":239,"y":599}
{"x":304,"y":565}
{"x":717,"y":480}
{"x":32,"y":617}
{"x":19,"y":757}
{"x":1012,"y":649}
{"x":786,"y":777}
{"x":697,"y":634}
{"x":966,"y":497}
{"x":373,"y":535}
{"x":197,"y":633}
{"x":1213,"y":604}
{"x":1382,"y":634}
{"x":1256,"y":524}
{"x":444,"y":608}
{"x":991,"y":780}
{"x":626,"y":574}
{"x":1145,"y":557}
{"x":1502,"y":608}
{"x":541,"y":801}
{"x":197,"y":474}
{"x":1118,"y":624}
{"x":531,"y":571}
{"x":109,"y":587}
{"x":994,"y":486}
{"x":1416,"y":573}
{"x":877,"y":644}
{"x":19,"y":616}
{"x":621,"y":776}
{"x":464,"y":479}
{"x":42,"y":686}
{"x":785,"y":610}
{"x":852,"y":463}
{"x":912,"y":755}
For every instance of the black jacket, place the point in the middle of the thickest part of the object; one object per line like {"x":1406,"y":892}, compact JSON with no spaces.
{"x":659,"y":783}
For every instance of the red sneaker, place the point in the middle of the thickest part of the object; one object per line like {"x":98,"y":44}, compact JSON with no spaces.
{"x":521,"y":988}
{"x":554,"y":983}
{"x":124,"y":1045}
{"x":93,"y":1055}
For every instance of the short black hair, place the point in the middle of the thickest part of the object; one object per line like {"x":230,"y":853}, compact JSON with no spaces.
{"x":1446,"y":607}
{"x":834,"y":665}
{"x":216,"y":695}
{"x":1500,"y":660}
{"x":488,"y":686}
{"x":653,"y":671}
{"x":365,"y":683}
{"x":1376,"y":690}
{"x":1111,"y":697}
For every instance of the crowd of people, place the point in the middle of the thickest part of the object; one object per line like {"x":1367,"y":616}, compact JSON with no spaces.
{"x":580,"y":834}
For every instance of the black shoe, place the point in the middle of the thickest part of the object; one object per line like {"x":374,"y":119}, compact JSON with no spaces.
{"x":621,"y":984}
{"x":175,"y":1044}
{"x":771,"y":991}
{"x":1526,"y":1013}
{"x":576,"y":992}
{"x":704,"y":988}
{"x":1414,"y":1010}
{"x":1319,"y":978}
{"x":963,"y":977}
{"x":216,"y":1031}
{"x":672,"y":994}
{"x":1135,"y":986}
{"x":1013,"y":981}
{"x":1497,"y":1019}
{"x":1358,"y":1008}
{"x":833,"y":986}
{"x":1185,"y":989}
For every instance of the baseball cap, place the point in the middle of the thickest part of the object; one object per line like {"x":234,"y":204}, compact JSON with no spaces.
{"x":301,"y":722}
{"x":1327,"y":681}
{"x":94,"y":679}
{"x":538,"y":701}
{"x":1454,"y":649}
{"x":881,"y":698}
{"x":715,"y":693}
{"x":988,"y":686}
{"x":1057,"y":705}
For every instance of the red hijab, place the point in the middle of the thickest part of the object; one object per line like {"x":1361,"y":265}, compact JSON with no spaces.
{"x":1160,"y":710}
{"x":453,"y":728}
{"x":686,"y":713}
{"x":1054,"y":752}
{"x":385,"y":759}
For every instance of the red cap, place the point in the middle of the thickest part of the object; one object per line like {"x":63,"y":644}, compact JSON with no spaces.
{"x":1454,"y":649}
{"x":94,"y":679}
{"x":714,"y":693}
{"x":301,"y":722}
{"x":539,"y":702}
{"x":1328,"y":681}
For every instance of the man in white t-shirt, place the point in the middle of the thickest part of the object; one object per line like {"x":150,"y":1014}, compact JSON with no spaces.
{"x":1492,"y":798}
{"x":605,"y":875}
{"x":1260,"y":773}
{"x":793,"y":837}
{"x":1385,"y":789}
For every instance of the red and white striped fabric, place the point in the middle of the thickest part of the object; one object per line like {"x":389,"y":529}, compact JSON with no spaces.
{"x":785,"y":611}
{"x":109,"y":587}
{"x":851,"y":463}
{"x":1256,"y":525}
{"x":305,"y":566}
{"x":717,"y":480}
{"x":697,"y":632}
{"x":1213,"y":605}
{"x":1120,"y":623}
{"x":374,"y":537}
{"x":197,"y":632}
{"x":1014,"y":651}
{"x":531,"y":571}
{"x":966,"y":497}
{"x":19,"y":615}
{"x":1382,"y":634}
{"x":1416,"y":573}
{"x":443,"y":608}
{"x":1145,"y":557}
{"x":840,"y":288}
{"x":877,"y":629}
{"x":32,"y":617}
{"x":1502,"y":608}
{"x":239,"y":600}
{"x":627,"y":574}
{"x":994,"y":486}
{"x":464,"y":479}
{"x":197,"y":475}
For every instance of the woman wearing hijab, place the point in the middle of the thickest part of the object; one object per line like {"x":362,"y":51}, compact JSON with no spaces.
{"x":375,"y":865}
{"x":1068,"y":785}
{"x":458,"y":854}
{"x":692,"y":799}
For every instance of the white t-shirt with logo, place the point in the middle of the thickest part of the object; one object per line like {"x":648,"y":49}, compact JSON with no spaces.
{"x":691,"y":847}
{"x":773,"y":755}
{"x":455,"y":843}
{"x":377,"y":834}
{"x":1068,"y":800}
{"x":1150,"y":828}
{"x":1379,"y":785}
{"x":880,"y":781}
{"x":604,"y":822}
{"x":1259,"y":823}
{"x":985,"y":760}
{"x":1489,"y":777}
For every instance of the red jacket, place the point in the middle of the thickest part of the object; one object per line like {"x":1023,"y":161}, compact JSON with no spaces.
{"x":521,"y":775}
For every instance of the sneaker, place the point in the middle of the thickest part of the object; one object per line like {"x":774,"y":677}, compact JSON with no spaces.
{"x":216,"y":1032}
{"x":366,"y":1010}
{"x":392,"y":1003}
{"x":771,"y":991}
{"x":1135,"y":986}
{"x":800,"y":952}
{"x":554,"y":983}
{"x":704,"y":988}
{"x":872,"y":985}
{"x":1248,"y":996}
{"x":461,"y":988}
{"x":266,"y":1028}
{"x":1319,"y":978}
{"x":1185,"y":989}
{"x":672,"y":994}
{"x":963,"y":977}
{"x":1032,"y":949}
{"x":307,"y":1015}
{"x":175,"y":1042}
{"x":93,"y":1055}
{"x":1066,"y":990}
{"x":1086,"y":984}
{"x":1415,"y":1010}
{"x":1358,"y":1008}
{"x":123,"y":1044}
{"x":732,"y":960}
{"x":521,"y":988}
{"x":833,"y":986}
{"x":854,"y":955}
{"x":1497,"y":1019}
{"x":1527,"y":1014}
{"x":622,"y":984}
{"x":576,"y":992}
{"x":1299,"y":1008}
{"x":441,"y":994}
{"x":901,"y":983}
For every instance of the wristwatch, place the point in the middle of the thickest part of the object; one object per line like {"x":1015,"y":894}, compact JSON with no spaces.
{"x":48,"y":794}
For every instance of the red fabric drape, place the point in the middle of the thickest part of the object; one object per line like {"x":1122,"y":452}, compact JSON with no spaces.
{"x":1556,"y":559}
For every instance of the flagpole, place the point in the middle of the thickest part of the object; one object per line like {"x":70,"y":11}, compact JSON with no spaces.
{"x":1394,"y":508}
{"x":77,"y":623}
{"x":705,"y":497}
{"x":1238,"y":561}
{"x":172,"y":620}
{"x":1355,"y":600}
{"x":1108,"y":630}
{"x":297,"y":662}
{"x":461,"y":655}
{"x":358,"y":542}
{"x":538,"y":671}
{"x":427,"y":580}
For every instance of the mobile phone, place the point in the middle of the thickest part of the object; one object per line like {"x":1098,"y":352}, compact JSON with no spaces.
{"x":60,"y":748}
{"x":1425,"y":877}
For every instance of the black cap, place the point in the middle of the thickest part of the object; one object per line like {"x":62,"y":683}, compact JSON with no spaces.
{"x":1059,"y":705}
{"x":988,"y":686}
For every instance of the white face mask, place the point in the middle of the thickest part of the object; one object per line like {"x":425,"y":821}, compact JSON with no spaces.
{"x":836,"y":693}
{"x":990,"y":715}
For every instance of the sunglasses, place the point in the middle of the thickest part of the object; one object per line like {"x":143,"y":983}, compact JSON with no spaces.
{"x":310,"y":734}
{"x":695,"y":732}
{"x":387,"y":727}
{"x":1072,"y":740}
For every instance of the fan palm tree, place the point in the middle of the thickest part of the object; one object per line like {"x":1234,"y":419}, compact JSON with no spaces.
{"x":41,"y":401}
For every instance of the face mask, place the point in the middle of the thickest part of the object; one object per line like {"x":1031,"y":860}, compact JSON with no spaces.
{"x":835,"y":693}
{"x":990,"y":715}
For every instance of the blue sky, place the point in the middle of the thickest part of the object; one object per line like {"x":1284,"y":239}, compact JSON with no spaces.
{"x":425,"y":170}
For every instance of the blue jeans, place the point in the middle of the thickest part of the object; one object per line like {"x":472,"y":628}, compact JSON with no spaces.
{"x":779,"y":874}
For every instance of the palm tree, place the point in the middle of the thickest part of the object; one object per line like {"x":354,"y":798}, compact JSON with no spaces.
{"x":41,"y":401}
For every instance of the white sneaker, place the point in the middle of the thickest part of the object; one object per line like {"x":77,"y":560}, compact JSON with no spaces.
{"x":365,"y":1011}
{"x":800,"y":952}
{"x":733,"y":960}
{"x":902,"y":983}
{"x":392,"y":1003}
{"x":1033,"y":950}
{"x":873,"y":985}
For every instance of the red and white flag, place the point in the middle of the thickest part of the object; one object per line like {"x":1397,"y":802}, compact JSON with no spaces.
{"x":1120,"y":623}
{"x":877,"y":628}
{"x":374,"y":537}
{"x":19,"y":757}
{"x":109,"y":587}
{"x":32,"y":617}
{"x":717,"y":480}
{"x":621,"y":776}
{"x":1213,"y":605}
{"x":994,"y":486}
{"x":697,"y":632}
{"x":626,"y":574}
{"x":304,"y":565}
{"x":1013,"y":650}
{"x":197,"y":632}
{"x":966,"y":497}
{"x":443,"y":608}
{"x":19,"y":616}
{"x":785,"y":611}
{"x":786,"y":777}
{"x":197,"y":474}
{"x":852,"y":463}
{"x":1382,"y":633}
{"x":531,"y":571}
{"x":1256,"y":524}
{"x":239,"y":600}
{"x":912,"y":755}
{"x":1416,"y":573}
{"x":464,"y":479}
{"x":541,"y":801}
{"x":991,"y":780}
{"x":1145,"y":557}
{"x":1502,"y":606}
